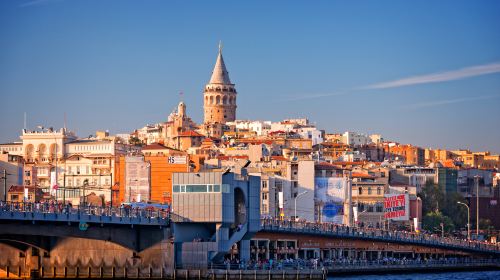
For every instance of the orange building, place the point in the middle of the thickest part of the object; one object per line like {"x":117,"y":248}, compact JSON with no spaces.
{"x":161,"y":166}
{"x":409,"y":154}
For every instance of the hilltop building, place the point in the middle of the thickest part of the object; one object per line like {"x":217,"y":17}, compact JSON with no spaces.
{"x":219,"y":95}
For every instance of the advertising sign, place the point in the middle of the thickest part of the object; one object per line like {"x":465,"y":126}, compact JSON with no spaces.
{"x":280,"y":200}
{"x":177,"y":159}
{"x":397,"y":207}
{"x":136,"y":179}
{"x":330,"y":193}
{"x":53,"y":182}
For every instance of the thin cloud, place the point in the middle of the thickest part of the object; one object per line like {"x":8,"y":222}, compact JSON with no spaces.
{"x":450,"y":101}
{"x":314,"y":96}
{"x":36,"y":3}
{"x":440,"y":77}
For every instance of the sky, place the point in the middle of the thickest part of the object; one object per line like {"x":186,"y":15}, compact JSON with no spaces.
{"x":420,"y":72}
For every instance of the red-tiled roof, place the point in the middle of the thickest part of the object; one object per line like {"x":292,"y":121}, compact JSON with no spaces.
{"x":20,"y":189}
{"x":156,"y":146}
{"x":279,"y":158}
{"x":190,"y":133}
{"x":348,"y":162}
{"x":362,"y":175}
{"x":231,"y":157}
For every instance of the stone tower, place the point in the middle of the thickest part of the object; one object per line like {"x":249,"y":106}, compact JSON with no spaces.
{"x":219,"y":95}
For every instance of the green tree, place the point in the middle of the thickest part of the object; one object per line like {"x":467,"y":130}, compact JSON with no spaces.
{"x":434,"y":201}
{"x":485,"y":224}
{"x":135,"y":141}
{"x":456,"y":212}
{"x":432,"y":198}
{"x":432,"y":222}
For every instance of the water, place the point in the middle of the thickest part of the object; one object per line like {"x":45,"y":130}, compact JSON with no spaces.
{"x":473,"y":275}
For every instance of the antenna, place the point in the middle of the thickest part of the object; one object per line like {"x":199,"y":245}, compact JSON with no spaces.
{"x":64,"y":121}
{"x":24,"y":120}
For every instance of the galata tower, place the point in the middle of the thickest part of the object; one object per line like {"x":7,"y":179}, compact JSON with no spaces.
{"x":219,"y":95}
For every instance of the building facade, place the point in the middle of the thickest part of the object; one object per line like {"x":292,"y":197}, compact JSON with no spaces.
{"x":219,"y":95}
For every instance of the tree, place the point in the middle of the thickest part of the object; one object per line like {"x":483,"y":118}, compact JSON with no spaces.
{"x":457,"y":212}
{"x":135,"y":141}
{"x":432,"y":198}
{"x":434,"y":201}
{"x":432,"y":222}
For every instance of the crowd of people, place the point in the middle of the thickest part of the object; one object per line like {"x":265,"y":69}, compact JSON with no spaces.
{"x":338,"y":229}
{"x":54,"y":207}
{"x":318,"y":263}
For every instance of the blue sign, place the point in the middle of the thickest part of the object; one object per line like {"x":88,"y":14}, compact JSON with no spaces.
{"x":83,"y":226}
{"x":331,"y":210}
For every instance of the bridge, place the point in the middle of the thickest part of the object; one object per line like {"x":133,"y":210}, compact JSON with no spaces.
{"x":328,"y":230}
{"x":52,"y":240}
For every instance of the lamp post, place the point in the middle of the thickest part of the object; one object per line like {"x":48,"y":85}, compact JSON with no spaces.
{"x":468,"y":218}
{"x":295,"y":208}
{"x":476,"y":180}
{"x":4,"y":178}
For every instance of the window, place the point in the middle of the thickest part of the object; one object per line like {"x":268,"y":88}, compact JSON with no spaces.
{"x":379,"y":191}
{"x":264,"y":196}
{"x":196,"y":188}
{"x":369,"y":190}
{"x":360,"y":190}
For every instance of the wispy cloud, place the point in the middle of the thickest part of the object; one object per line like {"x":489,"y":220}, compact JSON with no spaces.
{"x":313,"y":96}
{"x":450,"y":101}
{"x":36,"y":3}
{"x":440,"y":77}
{"x":452,"y":75}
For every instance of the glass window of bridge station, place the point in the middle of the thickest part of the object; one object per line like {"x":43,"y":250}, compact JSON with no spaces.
{"x":210,"y":188}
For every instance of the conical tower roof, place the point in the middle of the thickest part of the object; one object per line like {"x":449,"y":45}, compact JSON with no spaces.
{"x":220,"y":74}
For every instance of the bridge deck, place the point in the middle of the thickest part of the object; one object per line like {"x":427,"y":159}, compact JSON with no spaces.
{"x":377,"y":235}
{"x":108,"y":215}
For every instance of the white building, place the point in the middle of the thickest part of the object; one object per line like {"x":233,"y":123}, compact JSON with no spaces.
{"x":301,"y":176}
{"x":355,"y":139}
{"x":353,"y":156}
{"x":310,"y":132}
{"x":61,"y":162}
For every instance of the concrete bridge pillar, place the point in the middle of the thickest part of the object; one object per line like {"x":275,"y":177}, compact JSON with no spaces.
{"x":245,"y":250}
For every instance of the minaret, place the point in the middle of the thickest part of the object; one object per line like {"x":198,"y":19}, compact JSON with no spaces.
{"x":219,"y":95}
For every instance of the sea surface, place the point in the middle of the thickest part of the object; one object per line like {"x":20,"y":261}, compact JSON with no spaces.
{"x":473,"y":275}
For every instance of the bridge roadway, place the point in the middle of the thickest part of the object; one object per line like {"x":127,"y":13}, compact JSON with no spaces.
{"x":38,"y":212}
{"x":44,"y":212}
{"x":343,"y":232}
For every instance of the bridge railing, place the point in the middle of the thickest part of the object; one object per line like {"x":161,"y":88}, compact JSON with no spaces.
{"x":52,"y":208}
{"x":351,"y":232}
{"x":339,"y":264}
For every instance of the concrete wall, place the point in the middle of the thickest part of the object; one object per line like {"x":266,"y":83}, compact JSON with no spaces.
{"x":305,"y":203}
{"x":94,"y":254}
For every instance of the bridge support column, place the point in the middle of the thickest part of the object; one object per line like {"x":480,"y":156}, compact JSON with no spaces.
{"x":245,"y":250}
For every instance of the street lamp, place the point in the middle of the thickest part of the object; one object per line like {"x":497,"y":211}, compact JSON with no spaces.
{"x":468,"y":218}
{"x":4,"y":178}
{"x":476,"y":179}
{"x":295,"y":215}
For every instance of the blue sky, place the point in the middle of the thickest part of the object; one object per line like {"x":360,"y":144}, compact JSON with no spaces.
{"x":421,"y":72}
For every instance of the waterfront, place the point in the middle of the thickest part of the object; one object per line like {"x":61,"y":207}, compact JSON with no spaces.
{"x":472,"y":275}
